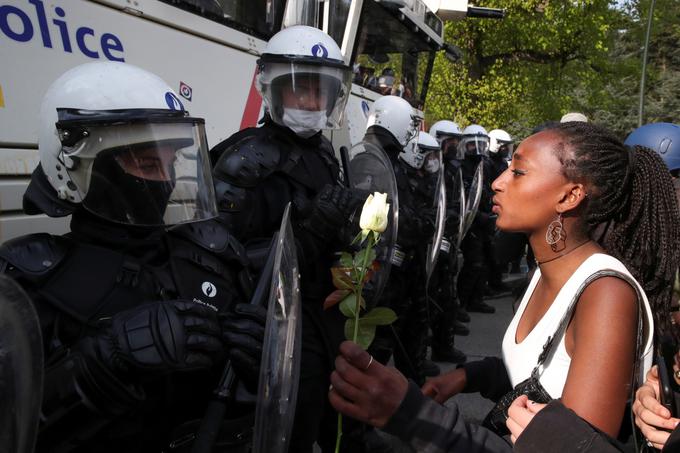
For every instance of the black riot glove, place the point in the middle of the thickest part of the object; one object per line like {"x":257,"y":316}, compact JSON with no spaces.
{"x":332,"y":209}
{"x":243,"y":335}
{"x":161,"y":337}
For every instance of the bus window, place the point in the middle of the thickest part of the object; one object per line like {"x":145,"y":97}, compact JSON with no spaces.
{"x":330,"y":16}
{"x":339,"y":12}
{"x":390,"y":58}
{"x":259,"y":18}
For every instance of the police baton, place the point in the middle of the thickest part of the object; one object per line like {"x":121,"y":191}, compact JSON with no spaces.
{"x":223,"y":395}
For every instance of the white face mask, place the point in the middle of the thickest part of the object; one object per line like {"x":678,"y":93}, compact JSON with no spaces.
{"x":304,"y":123}
{"x":432,"y":166}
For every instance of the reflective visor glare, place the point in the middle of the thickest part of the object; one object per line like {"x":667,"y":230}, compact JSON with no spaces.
{"x":310,"y":88}
{"x":450,"y":144}
{"x":308,"y":92}
{"x":153,"y":161}
{"x":482,"y":145}
{"x":163,"y":158}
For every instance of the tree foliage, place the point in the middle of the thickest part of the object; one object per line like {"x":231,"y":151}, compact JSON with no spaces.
{"x":548,"y":57}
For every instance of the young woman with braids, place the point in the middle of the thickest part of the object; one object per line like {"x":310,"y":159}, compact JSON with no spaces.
{"x":587,"y":204}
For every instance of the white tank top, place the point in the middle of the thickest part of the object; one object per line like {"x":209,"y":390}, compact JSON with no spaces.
{"x":520,"y":359}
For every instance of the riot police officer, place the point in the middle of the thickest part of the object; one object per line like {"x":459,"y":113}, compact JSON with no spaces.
{"x":304,"y":84}
{"x":136,"y":321}
{"x":393,"y":126}
{"x":473,"y":151}
{"x":448,"y":134}
{"x":442,"y":285}
{"x":501,"y":147}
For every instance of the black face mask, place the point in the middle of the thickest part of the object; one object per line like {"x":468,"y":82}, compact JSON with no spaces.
{"x":450,"y":156}
{"x":124,"y":198}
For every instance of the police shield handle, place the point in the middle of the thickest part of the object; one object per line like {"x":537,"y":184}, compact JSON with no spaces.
{"x":209,"y":429}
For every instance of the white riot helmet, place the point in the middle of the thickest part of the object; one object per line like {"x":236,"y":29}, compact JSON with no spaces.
{"x":116,"y":140}
{"x":443,"y":129}
{"x":475,"y":142}
{"x":303,"y":80}
{"x":429,"y":148}
{"x":448,"y":134}
{"x":500,"y":144}
{"x":397,"y":116}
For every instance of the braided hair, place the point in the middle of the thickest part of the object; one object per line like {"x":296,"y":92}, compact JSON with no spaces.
{"x":631,"y":201}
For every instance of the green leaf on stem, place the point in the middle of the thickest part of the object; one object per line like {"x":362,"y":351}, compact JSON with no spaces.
{"x":348,"y":306}
{"x":341,"y":279}
{"x":345,"y":259}
{"x":360,"y":258}
{"x":379,"y":316}
{"x":335,"y":297}
{"x":365,"y":333}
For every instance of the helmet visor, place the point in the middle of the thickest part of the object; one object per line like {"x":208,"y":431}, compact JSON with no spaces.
{"x":449,"y":145}
{"x":505,"y":149}
{"x":474,"y":145}
{"x":149,"y":174}
{"x":305,"y":95}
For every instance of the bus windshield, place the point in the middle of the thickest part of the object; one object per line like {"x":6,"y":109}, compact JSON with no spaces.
{"x":390,"y":58}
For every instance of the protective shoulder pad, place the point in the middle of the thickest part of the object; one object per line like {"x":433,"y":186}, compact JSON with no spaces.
{"x":248,"y":161}
{"x":214,"y":237}
{"x":35,"y":254}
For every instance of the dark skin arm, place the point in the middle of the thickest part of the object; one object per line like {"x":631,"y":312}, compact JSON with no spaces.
{"x":601,"y":343}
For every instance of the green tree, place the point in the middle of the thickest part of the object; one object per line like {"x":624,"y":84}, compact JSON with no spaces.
{"x":522,"y":70}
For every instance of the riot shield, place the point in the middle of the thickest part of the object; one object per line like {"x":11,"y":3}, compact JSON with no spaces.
{"x":371,"y":170}
{"x":280,"y":368}
{"x":459,"y":195}
{"x":440,"y":220}
{"x":473,"y":198}
{"x":21,"y":369}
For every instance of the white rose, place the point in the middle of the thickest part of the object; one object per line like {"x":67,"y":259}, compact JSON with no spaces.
{"x":374,"y":214}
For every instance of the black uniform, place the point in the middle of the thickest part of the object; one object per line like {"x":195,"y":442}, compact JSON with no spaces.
{"x":498,"y":264}
{"x":405,"y":291}
{"x":443,"y":283}
{"x":477,"y":244}
{"x":257,"y":172}
{"x":129,"y":328}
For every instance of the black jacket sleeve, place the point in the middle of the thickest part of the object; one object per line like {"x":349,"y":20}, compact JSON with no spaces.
{"x":557,"y":429}
{"x":488,"y":376}
{"x":429,"y":427}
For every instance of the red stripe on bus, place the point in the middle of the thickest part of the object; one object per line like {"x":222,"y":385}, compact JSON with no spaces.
{"x":252,"y":111}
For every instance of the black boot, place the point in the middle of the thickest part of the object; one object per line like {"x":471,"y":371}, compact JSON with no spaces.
{"x":462,"y":315}
{"x":460,"y":329}
{"x":429,"y":368}
{"x":481,"y":307}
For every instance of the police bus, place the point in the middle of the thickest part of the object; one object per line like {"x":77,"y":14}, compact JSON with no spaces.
{"x":206,"y":50}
